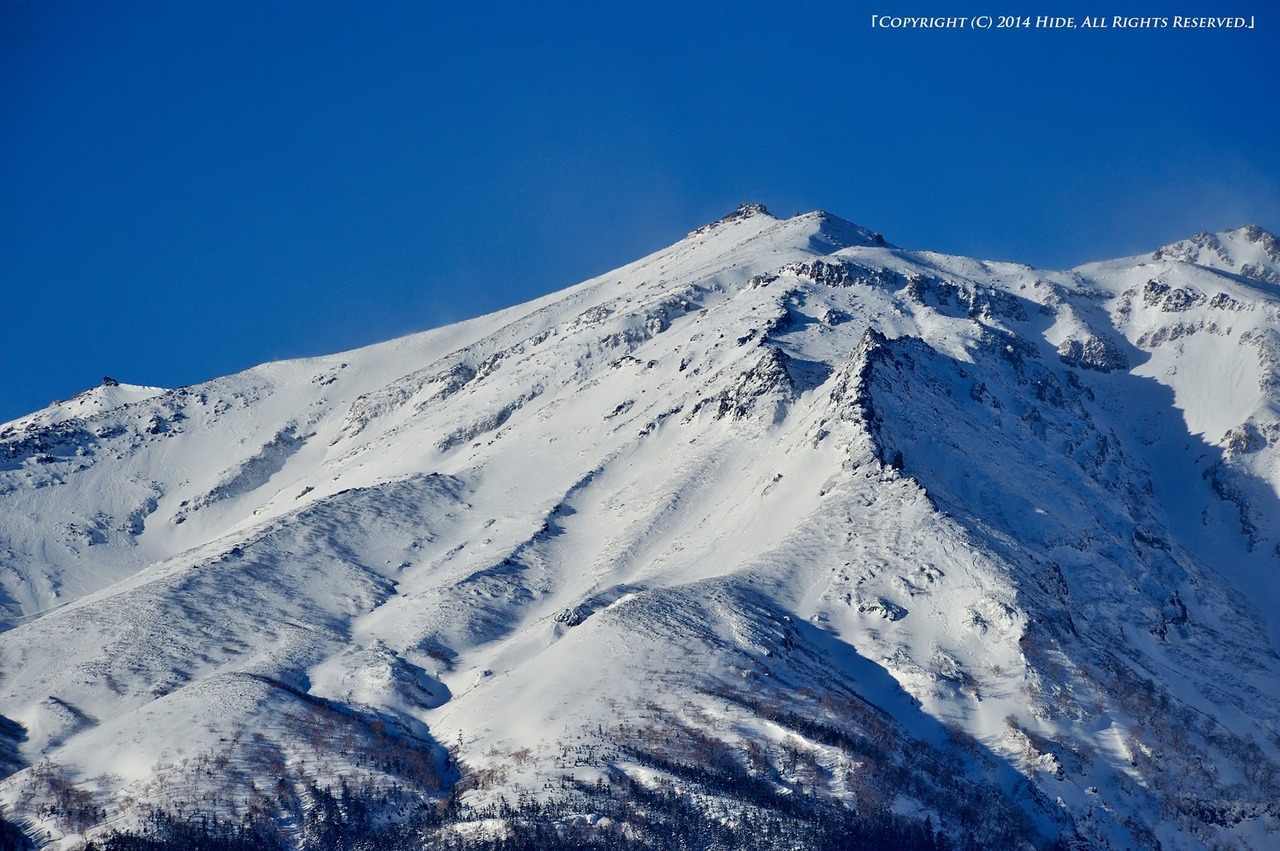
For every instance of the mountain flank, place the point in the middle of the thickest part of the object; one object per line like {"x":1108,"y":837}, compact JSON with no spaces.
{"x":782,"y":536}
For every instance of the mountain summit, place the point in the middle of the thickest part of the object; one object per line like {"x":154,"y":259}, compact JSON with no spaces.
{"x":780,"y":536}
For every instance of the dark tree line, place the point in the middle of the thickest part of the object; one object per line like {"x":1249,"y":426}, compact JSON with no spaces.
{"x":662,"y":819}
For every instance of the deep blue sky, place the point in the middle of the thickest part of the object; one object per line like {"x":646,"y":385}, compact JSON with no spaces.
{"x":190,"y":188}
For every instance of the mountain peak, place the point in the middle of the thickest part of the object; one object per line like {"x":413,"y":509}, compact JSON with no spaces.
{"x":1258,"y":236}
{"x":1249,"y":251}
{"x":842,"y":233}
{"x":832,"y":232}
{"x":743,"y":212}
{"x":107,"y":396}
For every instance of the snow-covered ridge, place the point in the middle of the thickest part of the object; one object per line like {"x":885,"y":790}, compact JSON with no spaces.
{"x":782,"y":509}
{"x":107,"y":396}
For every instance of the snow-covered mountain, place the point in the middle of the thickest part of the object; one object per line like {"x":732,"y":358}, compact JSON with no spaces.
{"x":781,"y":528}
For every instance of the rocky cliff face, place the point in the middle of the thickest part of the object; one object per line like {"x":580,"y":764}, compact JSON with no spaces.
{"x":781,"y":527}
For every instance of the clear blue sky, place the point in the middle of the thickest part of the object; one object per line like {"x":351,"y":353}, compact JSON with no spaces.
{"x":190,"y":188}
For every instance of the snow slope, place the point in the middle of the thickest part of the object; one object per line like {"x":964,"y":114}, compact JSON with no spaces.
{"x":912,"y":532}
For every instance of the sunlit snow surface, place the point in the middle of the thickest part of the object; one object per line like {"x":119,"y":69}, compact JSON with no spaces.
{"x":1019,"y":519}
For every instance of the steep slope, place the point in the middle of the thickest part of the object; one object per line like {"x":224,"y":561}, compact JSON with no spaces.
{"x":781,"y":522}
